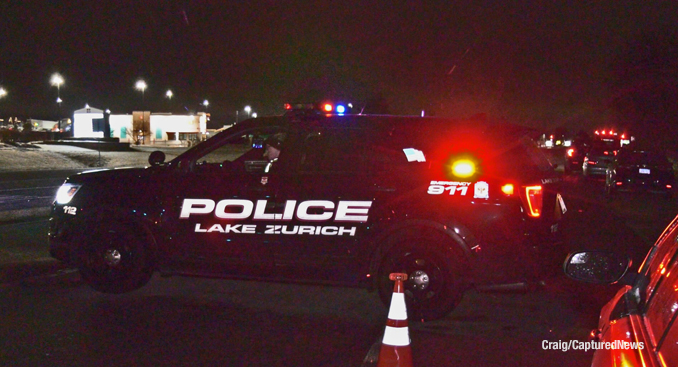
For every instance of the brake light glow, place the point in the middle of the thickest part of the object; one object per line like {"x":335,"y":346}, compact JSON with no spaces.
{"x":507,"y":189}
{"x":463,"y":168}
{"x":534,"y":196}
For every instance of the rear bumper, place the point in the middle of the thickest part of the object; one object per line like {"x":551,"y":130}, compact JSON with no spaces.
{"x":634,"y":184}
{"x":595,"y":171}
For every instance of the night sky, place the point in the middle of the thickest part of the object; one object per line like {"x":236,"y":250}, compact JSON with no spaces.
{"x":542,"y":63}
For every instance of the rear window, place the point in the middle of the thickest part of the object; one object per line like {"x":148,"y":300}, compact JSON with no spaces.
{"x":601,"y":152}
{"x":526,"y":155}
{"x":643,"y":157}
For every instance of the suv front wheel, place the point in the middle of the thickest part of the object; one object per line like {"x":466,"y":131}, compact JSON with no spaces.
{"x":115,"y":260}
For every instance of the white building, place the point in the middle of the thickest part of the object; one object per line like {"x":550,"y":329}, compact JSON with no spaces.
{"x":143,"y":127}
{"x":82,"y":122}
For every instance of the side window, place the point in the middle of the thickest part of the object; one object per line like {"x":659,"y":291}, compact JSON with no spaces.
{"x":659,"y":259}
{"x":663,"y":304}
{"x":332,"y":151}
{"x":667,"y":349}
{"x":387,"y":156}
{"x":354,"y":151}
{"x":245,"y":150}
{"x":661,"y":296}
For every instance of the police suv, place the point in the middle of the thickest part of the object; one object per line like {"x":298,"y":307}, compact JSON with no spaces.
{"x":349,"y":200}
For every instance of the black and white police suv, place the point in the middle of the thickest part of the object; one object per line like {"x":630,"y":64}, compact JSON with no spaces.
{"x":349,"y":200}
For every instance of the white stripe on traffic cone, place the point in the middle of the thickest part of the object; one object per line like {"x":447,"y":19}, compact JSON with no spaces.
{"x":395,"y":346}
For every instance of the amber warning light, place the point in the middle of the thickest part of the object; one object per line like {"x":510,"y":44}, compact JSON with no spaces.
{"x":463,"y":168}
{"x":507,"y":189}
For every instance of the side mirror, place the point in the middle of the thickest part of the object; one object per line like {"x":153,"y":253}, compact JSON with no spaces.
{"x":602,"y":267}
{"x":156,"y":158}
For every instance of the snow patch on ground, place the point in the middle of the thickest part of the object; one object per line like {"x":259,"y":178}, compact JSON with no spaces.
{"x":29,"y":157}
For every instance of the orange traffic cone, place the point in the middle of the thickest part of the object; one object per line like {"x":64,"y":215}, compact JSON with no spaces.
{"x":395,"y":346}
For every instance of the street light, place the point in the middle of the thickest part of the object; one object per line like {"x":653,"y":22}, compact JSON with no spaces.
{"x":248,"y":109}
{"x":205,"y":103}
{"x":3,"y":92}
{"x":254,"y":115}
{"x":57,"y":80}
{"x":141,"y":85}
{"x":169,"y":94}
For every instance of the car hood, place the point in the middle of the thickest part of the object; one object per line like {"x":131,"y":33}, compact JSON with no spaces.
{"x":111,"y":174}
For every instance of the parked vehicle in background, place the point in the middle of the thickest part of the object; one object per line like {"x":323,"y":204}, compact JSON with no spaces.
{"x":574,"y":156}
{"x":597,"y":160}
{"x":638,"y":326}
{"x":636,"y":170}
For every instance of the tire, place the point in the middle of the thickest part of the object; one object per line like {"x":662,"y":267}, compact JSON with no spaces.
{"x":434,"y":285}
{"x":115,"y":261}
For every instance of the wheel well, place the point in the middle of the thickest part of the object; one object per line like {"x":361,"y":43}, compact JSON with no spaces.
{"x":449,"y":241}
{"x":121,"y":222}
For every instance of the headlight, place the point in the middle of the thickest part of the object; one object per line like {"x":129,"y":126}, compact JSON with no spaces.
{"x":66,"y":193}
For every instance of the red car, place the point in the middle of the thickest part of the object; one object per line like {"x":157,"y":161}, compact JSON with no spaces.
{"x":638,"y":326}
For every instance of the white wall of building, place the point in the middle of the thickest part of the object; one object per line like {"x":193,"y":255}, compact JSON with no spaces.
{"x":121,"y":127}
{"x":82,"y":122}
{"x":160,"y":125}
{"x":163,"y":124}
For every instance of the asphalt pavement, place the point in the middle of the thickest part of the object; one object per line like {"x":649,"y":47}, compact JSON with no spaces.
{"x":25,"y":204}
{"x":29,"y":179}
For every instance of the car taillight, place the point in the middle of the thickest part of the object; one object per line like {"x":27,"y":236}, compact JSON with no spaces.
{"x":533,"y":197}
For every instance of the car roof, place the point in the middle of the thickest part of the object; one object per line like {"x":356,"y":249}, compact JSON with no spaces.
{"x":388,"y":123}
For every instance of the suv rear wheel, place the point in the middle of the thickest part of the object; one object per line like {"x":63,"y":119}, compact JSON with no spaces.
{"x":434,"y":285}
